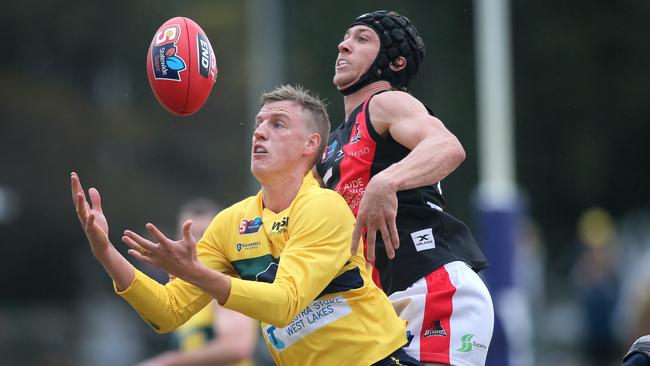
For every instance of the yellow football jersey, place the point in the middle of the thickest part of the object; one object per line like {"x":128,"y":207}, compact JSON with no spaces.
{"x":293,"y":272}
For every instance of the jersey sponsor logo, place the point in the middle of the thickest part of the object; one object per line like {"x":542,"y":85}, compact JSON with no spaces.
{"x":250,"y":226}
{"x":329,"y":151}
{"x":352,"y":191}
{"x":248,"y":246}
{"x":357,"y":134}
{"x":468,"y":344}
{"x":340,"y":155}
{"x":423,"y":239}
{"x":164,"y":60}
{"x":279,"y":227}
{"x":358,"y":152}
{"x":315,"y":316}
{"x":436,"y":330}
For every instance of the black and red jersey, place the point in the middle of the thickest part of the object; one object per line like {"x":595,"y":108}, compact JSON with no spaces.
{"x":429,"y":237}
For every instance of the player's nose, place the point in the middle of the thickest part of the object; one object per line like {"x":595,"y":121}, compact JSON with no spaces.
{"x":344,"y":46}
{"x":260,"y":132}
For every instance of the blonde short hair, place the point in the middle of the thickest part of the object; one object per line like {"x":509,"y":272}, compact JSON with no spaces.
{"x":319,"y":123}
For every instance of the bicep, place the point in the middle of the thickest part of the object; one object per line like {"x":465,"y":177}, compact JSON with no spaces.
{"x":411,"y":131}
{"x":406,"y":119}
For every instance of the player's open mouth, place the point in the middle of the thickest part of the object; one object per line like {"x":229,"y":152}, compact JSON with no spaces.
{"x":341,"y":63}
{"x":259,"y":150}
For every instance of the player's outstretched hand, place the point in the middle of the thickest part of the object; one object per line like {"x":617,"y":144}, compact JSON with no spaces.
{"x":377,"y":212}
{"x":92,"y":218}
{"x":176,"y":257}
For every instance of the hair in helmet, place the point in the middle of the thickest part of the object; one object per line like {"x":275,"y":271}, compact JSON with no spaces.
{"x":397,"y":37}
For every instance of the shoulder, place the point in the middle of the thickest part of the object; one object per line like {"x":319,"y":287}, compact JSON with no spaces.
{"x":395,"y":101}
{"x":324,"y":203}
{"x":392,"y":106}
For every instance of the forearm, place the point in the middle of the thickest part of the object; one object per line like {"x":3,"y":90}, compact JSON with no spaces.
{"x":210,"y":281}
{"x":275,"y":303}
{"x":164,"y":308}
{"x":429,"y":162}
{"x":118,"y":268}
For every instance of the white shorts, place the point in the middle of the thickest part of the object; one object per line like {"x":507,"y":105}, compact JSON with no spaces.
{"x":449,"y":316}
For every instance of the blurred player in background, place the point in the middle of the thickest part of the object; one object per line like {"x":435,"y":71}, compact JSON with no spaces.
{"x":214,"y":336}
{"x":639,"y":353}
{"x":387,"y":160}
{"x":281,"y":257}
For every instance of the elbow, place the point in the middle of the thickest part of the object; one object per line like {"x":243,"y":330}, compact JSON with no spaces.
{"x":157,"y":328}
{"x":281,"y":323}
{"x":286,"y":318}
{"x":457,"y":153}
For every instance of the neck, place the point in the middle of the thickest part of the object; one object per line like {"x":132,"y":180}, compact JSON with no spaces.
{"x":279,"y":194}
{"x":353,"y":100}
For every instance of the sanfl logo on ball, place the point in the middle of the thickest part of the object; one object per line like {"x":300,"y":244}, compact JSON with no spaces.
{"x":166,"y":63}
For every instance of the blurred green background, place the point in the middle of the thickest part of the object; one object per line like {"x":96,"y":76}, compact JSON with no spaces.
{"x":74,"y":95}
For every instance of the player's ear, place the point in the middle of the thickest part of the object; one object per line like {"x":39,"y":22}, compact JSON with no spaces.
{"x":398,"y":64}
{"x":312,"y":143}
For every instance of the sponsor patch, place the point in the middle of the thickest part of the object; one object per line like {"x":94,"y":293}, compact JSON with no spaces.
{"x":250,"y":226}
{"x":279,"y":227}
{"x":248,"y":246}
{"x":315,"y":316}
{"x":468,"y":344}
{"x":436,"y":330}
{"x":423,"y":239}
{"x":329,"y":151}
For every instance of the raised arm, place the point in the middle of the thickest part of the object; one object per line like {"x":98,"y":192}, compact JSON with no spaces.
{"x":95,"y":226}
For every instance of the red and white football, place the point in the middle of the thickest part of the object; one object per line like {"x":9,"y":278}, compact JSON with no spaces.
{"x":181,"y":66}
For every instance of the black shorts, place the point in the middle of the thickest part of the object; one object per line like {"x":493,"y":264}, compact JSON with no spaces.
{"x":398,"y":358}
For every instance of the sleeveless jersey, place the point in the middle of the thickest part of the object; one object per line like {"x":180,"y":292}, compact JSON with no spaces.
{"x":429,"y":237}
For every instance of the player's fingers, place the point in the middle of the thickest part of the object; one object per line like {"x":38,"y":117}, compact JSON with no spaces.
{"x":80,"y":207}
{"x":75,"y":185}
{"x":95,"y":199}
{"x":388,"y":244}
{"x":187,"y":232}
{"x":142,"y":258}
{"x":90,"y":221}
{"x":370,"y":243}
{"x":356,"y":236}
{"x":134,"y":245}
{"x":142,"y":242}
{"x":153,"y":230}
{"x":394,"y":234}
